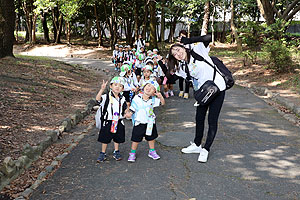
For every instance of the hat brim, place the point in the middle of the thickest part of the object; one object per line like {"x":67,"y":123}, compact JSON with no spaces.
{"x":122,"y":73}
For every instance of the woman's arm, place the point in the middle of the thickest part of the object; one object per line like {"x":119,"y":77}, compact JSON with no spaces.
{"x":206,"y":39}
{"x":169,"y":76}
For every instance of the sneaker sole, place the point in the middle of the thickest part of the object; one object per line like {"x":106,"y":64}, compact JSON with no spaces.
{"x":117,"y":159}
{"x":153,"y":158}
{"x":132,"y":161}
{"x":100,"y":161}
{"x":190,"y":151}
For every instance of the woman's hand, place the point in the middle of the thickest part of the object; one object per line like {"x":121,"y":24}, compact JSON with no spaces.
{"x":159,"y":57}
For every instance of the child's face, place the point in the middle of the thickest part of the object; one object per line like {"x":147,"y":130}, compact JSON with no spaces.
{"x":116,"y":88}
{"x":147,"y":73}
{"x":129,"y":72}
{"x":149,"y":90}
{"x":120,"y":49}
{"x":116,"y":48}
{"x":126,"y":49}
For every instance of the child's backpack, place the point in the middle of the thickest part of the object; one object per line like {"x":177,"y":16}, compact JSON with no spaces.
{"x":102,"y":114}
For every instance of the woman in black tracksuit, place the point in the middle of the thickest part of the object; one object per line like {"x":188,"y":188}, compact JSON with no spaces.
{"x":197,"y":72}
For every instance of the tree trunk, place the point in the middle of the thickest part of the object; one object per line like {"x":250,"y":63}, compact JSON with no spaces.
{"x":28,"y":9}
{"x":162,"y":27}
{"x":172,"y":29}
{"x":205,"y":23}
{"x":59,"y":28}
{"x":266,"y":9}
{"x":145,"y":20}
{"x":136,"y":20}
{"x":33,"y":29}
{"x":17,"y":27}
{"x":45,"y":27}
{"x":7,"y":26}
{"x":212,"y":25}
{"x":68,"y":27}
{"x":233,"y":28}
{"x":113,"y":23}
{"x":153,"y":37}
{"x":100,"y":42}
{"x":57,"y":22}
{"x":109,"y":21}
{"x":224,"y":24}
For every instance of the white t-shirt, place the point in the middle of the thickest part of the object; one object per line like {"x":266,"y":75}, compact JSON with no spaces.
{"x":201,"y":71}
{"x":142,"y":108}
{"x":131,"y":82}
{"x":113,"y":106}
{"x":139,"y":43}
{"x":158,"y":72}
{"x":115,"y":53}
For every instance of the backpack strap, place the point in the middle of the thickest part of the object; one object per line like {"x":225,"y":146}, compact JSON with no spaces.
{"x":200,"y":58}
{"x":104,"y":115}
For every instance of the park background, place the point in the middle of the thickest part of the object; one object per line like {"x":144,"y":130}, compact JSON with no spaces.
{"x":257,"y":39}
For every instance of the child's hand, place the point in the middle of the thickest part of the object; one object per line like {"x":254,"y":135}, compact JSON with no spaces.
{"x":103,"y":86}
{"x":158,"y":94}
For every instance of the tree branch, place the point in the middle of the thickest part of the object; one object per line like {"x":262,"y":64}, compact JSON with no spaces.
{"x":291,"y":15}
{"x":289,"y":8}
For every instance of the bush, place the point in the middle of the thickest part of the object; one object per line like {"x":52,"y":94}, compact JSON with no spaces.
{"x":278,"y":55}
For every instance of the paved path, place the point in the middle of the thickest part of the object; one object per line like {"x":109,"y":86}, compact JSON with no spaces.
{"x":255,"y":156}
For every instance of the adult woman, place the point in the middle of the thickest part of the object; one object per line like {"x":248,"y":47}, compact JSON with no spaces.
{"x":139,"y":43}
{"x":184,"y":93}
{"x":198,"y":72}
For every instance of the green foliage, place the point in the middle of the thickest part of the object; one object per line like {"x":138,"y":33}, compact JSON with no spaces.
{"x":277,"y":30}
{"x":251,"y":34}
{"x":278,"y":55}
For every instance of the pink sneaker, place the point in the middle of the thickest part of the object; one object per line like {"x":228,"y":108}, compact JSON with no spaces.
{"x":171,"y":93}
{"x":131,"y":157}
{"x":153,"y":155}
{"x":166,"y":94}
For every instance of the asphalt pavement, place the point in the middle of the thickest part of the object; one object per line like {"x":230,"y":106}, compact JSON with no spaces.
{"x":255,"y":156}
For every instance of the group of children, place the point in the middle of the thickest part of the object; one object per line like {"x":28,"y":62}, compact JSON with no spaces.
{"x":133,"y":95}
{"x":115,"y":107}
{"x":139,"y":62}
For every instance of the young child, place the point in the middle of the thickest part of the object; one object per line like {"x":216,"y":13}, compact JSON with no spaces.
{"x":126,"y":53}
{"x":157,"y":71}
{"x":168,"y":86}
{"x":113,"y":126}
{"x":130,"y":81}
{"x":139,"y":65}
{"x":115,"y":56}
{"x":149,"y":53}
{"x":120,"y":57}
{"x":143,"y":118}
{"x":147,"y":73}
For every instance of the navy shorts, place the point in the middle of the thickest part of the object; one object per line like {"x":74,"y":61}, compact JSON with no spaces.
{"x":105,"y":136}
{"x":139,"y":132}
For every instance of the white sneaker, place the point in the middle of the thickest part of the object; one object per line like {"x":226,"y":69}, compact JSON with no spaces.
{"x":193,"y":148}
{"x":186,"y":95}
{"x":203,"y":156}
{"x":180,"y":94}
